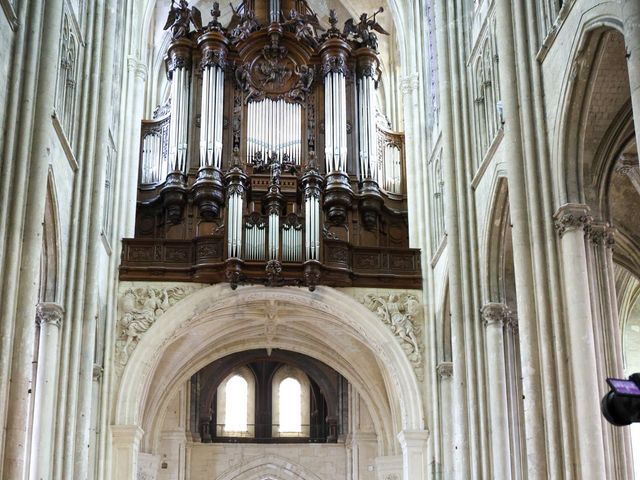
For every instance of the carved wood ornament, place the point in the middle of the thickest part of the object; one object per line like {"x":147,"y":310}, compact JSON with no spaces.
{"x":266,"y":166}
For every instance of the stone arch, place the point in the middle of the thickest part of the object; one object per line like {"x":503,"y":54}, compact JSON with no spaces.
{"x":498,"y":245}
{"x":50,"y":259}
{"x":327,"y":325}
{"x":269,"y":467}
{"x":577,"y":91}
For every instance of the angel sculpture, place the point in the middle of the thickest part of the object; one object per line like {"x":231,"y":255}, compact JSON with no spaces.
{"x":246,"y":23}
{"x":305,"y":25}
{"x":180,"y":16}
{"x":363,"y":30}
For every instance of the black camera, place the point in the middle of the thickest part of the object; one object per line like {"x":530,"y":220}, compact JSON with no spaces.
{"x":621,"y":405}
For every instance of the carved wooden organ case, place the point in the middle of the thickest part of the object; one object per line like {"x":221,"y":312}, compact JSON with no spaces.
{"x":268,"y":165}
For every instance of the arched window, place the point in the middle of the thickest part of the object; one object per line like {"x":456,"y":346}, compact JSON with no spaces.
{"x":291,"y":395}
{"x":235,"y":405}
{"x":290,"y":406}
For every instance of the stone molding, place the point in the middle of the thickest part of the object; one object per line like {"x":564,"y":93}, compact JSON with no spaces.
{"x":398,"y":311}
{"x":572,"y":216}
{"x":495,"y":314}
{"x":445,"y":370}
{"x":49,"y":313}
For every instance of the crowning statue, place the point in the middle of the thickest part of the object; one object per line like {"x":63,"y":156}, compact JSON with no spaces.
{"x":305,"y":26}
{"x":363,"y":31}
{"x":180,"y":17}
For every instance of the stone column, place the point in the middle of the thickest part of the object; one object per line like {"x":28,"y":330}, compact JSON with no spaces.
{"x":445,"y":372}
{"x":125,"y":446}
{"x":608,"y":340}
{"x":631,"y":27}
{"x":495,"y":315}
{"x":414,"y":449}
{"x":570,"y":222}
{"x":49,"y":318}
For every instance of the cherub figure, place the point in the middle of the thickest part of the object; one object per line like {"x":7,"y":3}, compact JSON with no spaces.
{"x":180,"y":17}
{"x":363,"y":30}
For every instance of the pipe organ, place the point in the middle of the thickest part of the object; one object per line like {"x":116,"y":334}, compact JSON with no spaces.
{"x":230,"y":184}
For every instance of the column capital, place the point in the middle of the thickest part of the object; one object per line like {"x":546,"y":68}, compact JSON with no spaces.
{"x":626,"y":163}
{"x":126,"y":434}
{"x":601,"y":234}
{"x":445,"y":370}
{"x":495,"y":314}
{"x":413,"y":438}
{"x":49,"y":313}
{"x":572,"y":216}
{"x":137,"y":67}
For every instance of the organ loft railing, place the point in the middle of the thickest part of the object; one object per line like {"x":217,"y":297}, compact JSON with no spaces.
{"x":267,"y":164}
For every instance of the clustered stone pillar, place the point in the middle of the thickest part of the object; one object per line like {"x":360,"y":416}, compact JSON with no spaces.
{"x":445,"y":372}
{"x":571,"y":221}
{"x":608,"y":338}
{"x":48,"y":318}
{"x":495,"y":317}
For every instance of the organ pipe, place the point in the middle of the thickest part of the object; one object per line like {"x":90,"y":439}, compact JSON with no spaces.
{"x":211,"y":117}
{"x":366,"y":129}
{"x":274,"y":127}
{"x":178,"y":130}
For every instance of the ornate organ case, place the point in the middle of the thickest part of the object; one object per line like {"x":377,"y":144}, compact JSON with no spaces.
{"x":268,"y":165}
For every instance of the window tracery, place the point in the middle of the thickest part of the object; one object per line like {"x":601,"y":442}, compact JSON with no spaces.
{"x":485,"y":93}
{"x":67,"y":77}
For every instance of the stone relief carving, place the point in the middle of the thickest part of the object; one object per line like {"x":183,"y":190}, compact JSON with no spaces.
{"x":398,"y":311}
{"x":139,"y":309}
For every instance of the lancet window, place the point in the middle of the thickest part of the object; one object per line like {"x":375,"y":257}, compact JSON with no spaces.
{"x":67,"y":77}
{"x":268,"y":166}
{"x":485,"y":93}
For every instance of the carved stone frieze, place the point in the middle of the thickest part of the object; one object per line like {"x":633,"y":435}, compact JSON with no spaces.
{"x":139,"y":308}
{"x":399,"y":311}
{"x":571,"y":216}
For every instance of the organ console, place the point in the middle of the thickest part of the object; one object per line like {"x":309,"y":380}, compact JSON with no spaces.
{"x":267,"y":165}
